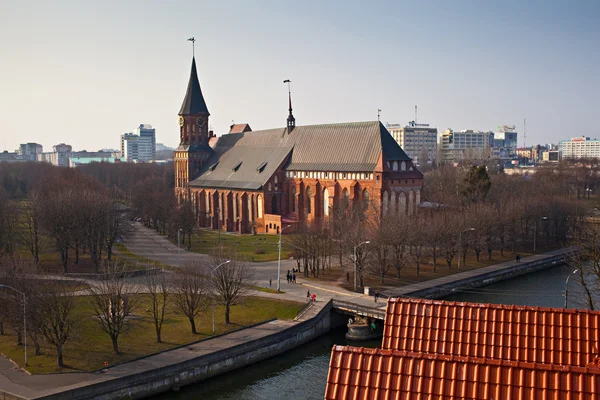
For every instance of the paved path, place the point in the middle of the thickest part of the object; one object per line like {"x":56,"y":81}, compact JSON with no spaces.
{"x":408,"y":290}
{"x":13,"y":380}
{"x":149,"y":244}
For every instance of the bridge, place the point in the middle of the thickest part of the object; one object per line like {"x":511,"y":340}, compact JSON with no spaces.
{"x":346,"y":307}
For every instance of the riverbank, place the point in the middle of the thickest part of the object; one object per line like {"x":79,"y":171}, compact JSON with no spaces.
{"x":447,"y":285}
{"x":171,"y":369}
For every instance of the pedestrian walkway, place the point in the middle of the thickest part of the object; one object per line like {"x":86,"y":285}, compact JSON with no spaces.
{"x":454,"y":279}
{"x":19,"y":384}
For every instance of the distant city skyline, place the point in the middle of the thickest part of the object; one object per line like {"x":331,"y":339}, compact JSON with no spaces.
{"x":85,"y":73}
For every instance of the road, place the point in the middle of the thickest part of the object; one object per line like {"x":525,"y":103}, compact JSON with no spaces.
{"x":147,"y":243}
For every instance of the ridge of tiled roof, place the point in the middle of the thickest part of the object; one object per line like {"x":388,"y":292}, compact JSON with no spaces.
{"x":492,"y":331}
{"x":360,"y":373}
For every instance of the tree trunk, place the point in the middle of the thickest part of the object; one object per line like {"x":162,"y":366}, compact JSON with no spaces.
{"x":2,"y":327}
{"x":64,"y":256}
{"x":59,"y":357}
{"x":36,"y":345}
{"x":115,"y":344}
{"x":158,"y":338}
{"x":227,"y":310}
{"x":77,"y":252}
{"x":193,"y":325}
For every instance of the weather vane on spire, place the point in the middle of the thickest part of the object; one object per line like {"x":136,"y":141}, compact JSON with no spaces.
{"x":193,"y":40}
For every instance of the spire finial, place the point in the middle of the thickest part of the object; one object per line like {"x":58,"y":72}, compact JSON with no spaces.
{"x":193,"y":40}
{"x":378,"y":113}
{"x":291,"y":121}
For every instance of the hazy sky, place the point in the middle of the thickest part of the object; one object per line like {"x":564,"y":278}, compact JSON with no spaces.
{"x":83,"y":72}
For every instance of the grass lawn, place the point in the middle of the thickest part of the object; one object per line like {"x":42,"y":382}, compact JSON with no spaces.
{"x":255,"y":248}
{"x":91,"y":347}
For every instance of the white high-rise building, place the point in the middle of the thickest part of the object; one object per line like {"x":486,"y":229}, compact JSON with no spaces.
{"x":419,"y":141}
{"x":139,"y":146}
{"x":579,"y":147}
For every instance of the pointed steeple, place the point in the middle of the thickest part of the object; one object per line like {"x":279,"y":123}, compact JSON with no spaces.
{"x":193,"y":103}
{"x":291,"y":121}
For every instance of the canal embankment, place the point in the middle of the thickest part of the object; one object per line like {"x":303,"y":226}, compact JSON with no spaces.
{"x":447,"y":285}
{"x":185,"y":365}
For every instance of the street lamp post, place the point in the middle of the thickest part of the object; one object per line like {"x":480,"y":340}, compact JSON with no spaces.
{"x":460,"y":243}
{"x":179,"y":241}
{"x":567,"y":286}
{"x":355,"y":261}
{"x":24,"y":317}
{"x":212,"y":271}
{"x":279,"y":261}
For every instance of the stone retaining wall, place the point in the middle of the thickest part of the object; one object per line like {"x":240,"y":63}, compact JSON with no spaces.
{"x":172,"y":377}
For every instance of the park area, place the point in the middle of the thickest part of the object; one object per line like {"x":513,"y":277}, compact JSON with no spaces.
{"x":90,"y":346}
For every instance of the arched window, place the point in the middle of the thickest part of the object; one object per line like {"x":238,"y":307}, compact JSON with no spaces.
{"x":393,"y":203}
{"x":259,"y":206}
{"x":274,"y":205}
{"x":403,"y":166}
{"x":293,"y":199}
{"x":308,"y":201}
{"x":250,"y":202}
{"x":275,"y":182}
{"x":270,"y":187}
{"x":326,"y":202}
{"x":366,"y":198}
{"x":346,"y":195}
{"x":395,"y":166}
{"x":418,"y":197}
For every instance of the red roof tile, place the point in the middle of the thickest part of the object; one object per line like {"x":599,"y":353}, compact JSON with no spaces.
{"x":239,"y":128}
{"x":386,"y":374}
{"x":516,"y":333}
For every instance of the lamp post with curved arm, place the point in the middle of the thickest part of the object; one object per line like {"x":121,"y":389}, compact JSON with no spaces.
{"x":24,"y":317}
{"x":355,"y":260}
{"x":567,"y":286}
{"x":212,"y":271}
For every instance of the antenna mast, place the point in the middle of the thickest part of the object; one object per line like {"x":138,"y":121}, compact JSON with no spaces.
{"x":524,"y":132}
{"x":415,"y":113}
{"x":378,"y":113}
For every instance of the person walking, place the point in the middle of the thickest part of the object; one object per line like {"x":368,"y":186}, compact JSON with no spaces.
{"x":270,"y":282}
{"x":308,"y":295}
{"x":314,"y":297}
{"x":375,"y":296}
{"x":294,"y":278}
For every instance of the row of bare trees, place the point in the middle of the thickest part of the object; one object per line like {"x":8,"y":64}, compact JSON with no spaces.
{"x":53,"y":312}
{"x":467,"y":211}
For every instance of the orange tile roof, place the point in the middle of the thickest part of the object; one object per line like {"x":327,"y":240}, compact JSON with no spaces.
{"x":358,"y":373}
{"x":516,"y":333}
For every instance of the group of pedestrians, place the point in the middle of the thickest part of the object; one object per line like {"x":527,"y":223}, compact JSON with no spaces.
{"x":291,"y":277}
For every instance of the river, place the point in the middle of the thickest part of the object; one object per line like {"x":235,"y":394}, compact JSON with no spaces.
{"x":301,"y":374}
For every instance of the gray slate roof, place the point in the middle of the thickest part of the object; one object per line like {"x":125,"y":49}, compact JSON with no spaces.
{"x":347,"y":147}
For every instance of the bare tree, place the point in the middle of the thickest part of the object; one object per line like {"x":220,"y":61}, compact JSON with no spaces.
{"x":112,"y":301}
{"x":231,"y":280}
{"x":30,"y":223}
{"x":190,"y":288}
{"x":158,"y":290}
{"x":57,"y":319}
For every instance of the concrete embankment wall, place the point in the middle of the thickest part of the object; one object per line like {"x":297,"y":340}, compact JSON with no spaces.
{"x":522,"y":268}
{"x":194,"y":370}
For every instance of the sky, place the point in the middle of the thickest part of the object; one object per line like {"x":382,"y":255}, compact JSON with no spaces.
{"x":84,"y":72}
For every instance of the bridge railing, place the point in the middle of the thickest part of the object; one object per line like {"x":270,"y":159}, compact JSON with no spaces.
{"x":358,"y":309}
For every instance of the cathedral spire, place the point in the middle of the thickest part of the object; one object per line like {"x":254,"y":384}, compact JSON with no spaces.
{"x":291,"y":121}
{"x":193,"y":102}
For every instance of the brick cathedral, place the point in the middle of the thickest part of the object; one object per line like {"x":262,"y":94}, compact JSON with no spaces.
{"x":246,"y":181}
